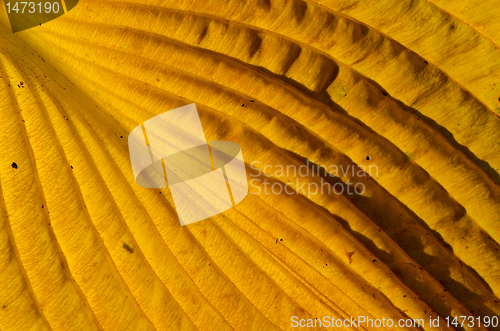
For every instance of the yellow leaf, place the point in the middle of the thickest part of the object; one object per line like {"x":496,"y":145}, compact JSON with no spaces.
{"x":318,"y":94}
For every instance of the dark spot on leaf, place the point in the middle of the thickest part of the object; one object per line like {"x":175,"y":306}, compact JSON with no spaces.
{"x":251,"y":101}
{"x":368,"y":158}
{"x":374,"y":260}
{"x":121,"y":136}
{"x":384,"y":93}
{"x":128,"y":248}
{"x":14,"y":165}
{"x":71,"y":166}
{"x":4,"y":306}
{"x":349,"y":256}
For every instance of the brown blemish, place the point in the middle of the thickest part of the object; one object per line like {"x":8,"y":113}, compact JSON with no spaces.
{"x":128,"y":248}
{"x":349,"y":256}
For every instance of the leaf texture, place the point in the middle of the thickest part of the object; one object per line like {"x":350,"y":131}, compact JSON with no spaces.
{"x":411,"y":88}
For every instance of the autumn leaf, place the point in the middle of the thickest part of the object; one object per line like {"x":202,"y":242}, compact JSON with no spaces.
{"x":397,"y":101}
